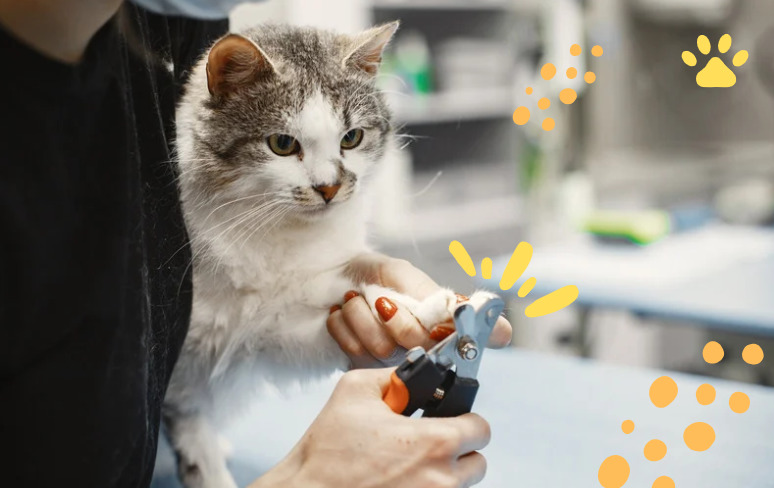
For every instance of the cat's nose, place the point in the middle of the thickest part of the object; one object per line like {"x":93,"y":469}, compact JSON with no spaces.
{"x":327,"y":191}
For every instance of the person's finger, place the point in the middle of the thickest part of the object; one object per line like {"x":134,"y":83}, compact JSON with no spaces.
{"x":366,"y":382}
{"x":346,"y":339}
{"x":401,"y":325}
{"x":471,"y":432}
{"x":471,"y":469}
{"x":397,"y":274}
{"x":501,"y":334}
{"x":362,"y":323}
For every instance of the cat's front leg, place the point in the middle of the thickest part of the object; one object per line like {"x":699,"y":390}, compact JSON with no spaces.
{"x":200,"y":453}
{"x":437,"y":308}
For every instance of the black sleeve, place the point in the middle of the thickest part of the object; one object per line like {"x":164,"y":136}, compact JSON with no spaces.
{"x":94,"y":265}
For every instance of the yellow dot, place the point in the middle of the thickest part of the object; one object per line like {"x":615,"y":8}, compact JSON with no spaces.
{"x":529,"y":90}
{"x":689,"y":58}
{"x":663,"y":391}
{"x":521,"y":116}
{"x":740,"y":58}
{"x":627,"y":426}
{"x":613,"y":472}
{"x":544,"y":103}
{"x":589,"y":77}
{"x":663,"y":482}
{"x":705,"y":394}
{"x":739,"y":402}
{"x":575,"y":50}
{"x":703,"y":43}
{"x":724,"y":44}
{"x":713,"y":352}
{"x":655,"y":450}
{"x":597,"y":51}
{"x":548,"y":71}
{"x":568,"y":96}
{"x":572,"y":73}
{"x":527,"y":287}
{"x":752,"y":354}
{"x":699,"y":436}
{"x":548,"y":124}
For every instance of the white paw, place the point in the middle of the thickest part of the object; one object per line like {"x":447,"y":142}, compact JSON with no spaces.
{"x":433,"y":310}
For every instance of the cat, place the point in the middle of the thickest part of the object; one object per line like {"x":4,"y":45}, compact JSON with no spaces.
{"x":280,"y":135}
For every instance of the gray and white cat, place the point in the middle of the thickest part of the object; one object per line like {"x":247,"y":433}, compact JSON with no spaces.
{"x":279,"y":134}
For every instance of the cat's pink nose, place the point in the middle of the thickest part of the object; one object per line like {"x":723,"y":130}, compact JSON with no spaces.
{"x":327,"y":191}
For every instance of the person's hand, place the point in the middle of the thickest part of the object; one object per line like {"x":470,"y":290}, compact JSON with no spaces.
{"x":363,"y":337}
{"x":358,"y":442}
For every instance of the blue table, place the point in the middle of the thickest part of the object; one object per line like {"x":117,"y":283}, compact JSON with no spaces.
{"x":721,"y":277}
{"x":554,"y":421}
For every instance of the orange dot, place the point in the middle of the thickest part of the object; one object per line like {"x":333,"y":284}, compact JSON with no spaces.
{"x":713,"y":352}
{"x":548,"y":71}
{"x":572,"y":73}
{"x":529,"y":90}
{"x":663,"y":482}
{"x":627,"y":426}
{"x":568,"y":96}
{"x":663,"y":391}
{"x":752,"y":354}
{"x":699,"y":436}
{"x":739,"y":402}
{"x":597,"y":51}
{"x":548,"y":124}
{"x":613,"y":472}
{"x":575,"y":49}
{"x":589,"y":77}
{"x":705,"y":394}
{"x":655,"y":450}
{"x":521,"y":116}
{"x":544,"y":103}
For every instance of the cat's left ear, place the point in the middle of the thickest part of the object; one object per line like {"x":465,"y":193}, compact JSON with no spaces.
{"x":365,"y":52}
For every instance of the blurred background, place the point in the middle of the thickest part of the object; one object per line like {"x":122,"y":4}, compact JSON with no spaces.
{"x":651,"y":194}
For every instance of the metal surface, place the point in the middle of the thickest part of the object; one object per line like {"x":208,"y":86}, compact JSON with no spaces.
{"x":473,"y":322}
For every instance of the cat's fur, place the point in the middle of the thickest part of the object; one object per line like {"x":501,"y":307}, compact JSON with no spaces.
{"x":270,"y":255}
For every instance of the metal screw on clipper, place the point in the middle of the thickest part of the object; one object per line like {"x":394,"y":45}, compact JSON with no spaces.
{"x":468,"y":349}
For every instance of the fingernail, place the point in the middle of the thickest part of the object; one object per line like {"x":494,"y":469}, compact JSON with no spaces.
{"x":461,"y":298}
{"x":350,"y":295}
{"x":335,"y":308}
{"x":386,"y":308}
{"x":441,"y":332}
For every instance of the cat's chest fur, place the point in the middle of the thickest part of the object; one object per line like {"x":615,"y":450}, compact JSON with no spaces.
{"x":264,"y":294}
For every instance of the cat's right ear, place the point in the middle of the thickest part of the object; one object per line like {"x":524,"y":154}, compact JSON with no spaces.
{"x":234,"y":62}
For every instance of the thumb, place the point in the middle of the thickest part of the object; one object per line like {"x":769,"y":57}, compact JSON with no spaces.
{"x":371,"y":383}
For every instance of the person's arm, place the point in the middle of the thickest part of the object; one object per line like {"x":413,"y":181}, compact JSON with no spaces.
{"x":60,"y":29}
{"x":358,"y":441}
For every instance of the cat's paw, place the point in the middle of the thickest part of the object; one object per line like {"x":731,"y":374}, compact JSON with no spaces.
{"x":434,"y":309}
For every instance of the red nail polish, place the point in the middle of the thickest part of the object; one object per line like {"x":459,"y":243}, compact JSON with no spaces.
{"x":350,"y":295}
{"x":386,"y":308}
{"x":441,"y":332}
{"x":335,"y":308}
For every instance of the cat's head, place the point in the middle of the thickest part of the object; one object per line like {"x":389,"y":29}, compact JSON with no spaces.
{"x":284,"y":118}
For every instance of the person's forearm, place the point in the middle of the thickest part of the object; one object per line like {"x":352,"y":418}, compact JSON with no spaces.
{"x":60,"y":29}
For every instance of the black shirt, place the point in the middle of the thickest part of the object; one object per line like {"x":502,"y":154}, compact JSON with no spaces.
{"x":95,"y":285}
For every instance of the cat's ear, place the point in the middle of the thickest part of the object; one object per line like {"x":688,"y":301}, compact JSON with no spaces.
{"x":365,"y":51}
{"x":236,"y":61}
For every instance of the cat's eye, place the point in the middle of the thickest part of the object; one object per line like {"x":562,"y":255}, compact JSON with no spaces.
{"x":283,"y":144}
{"x":352,"y":139}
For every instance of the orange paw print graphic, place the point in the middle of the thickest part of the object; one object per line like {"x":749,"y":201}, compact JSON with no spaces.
{"x":517,"y":264}
{"x":697,"y":436}
{"x":567,"y":96}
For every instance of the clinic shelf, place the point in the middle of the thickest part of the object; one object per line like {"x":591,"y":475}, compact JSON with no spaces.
{"x":453,"y":106}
